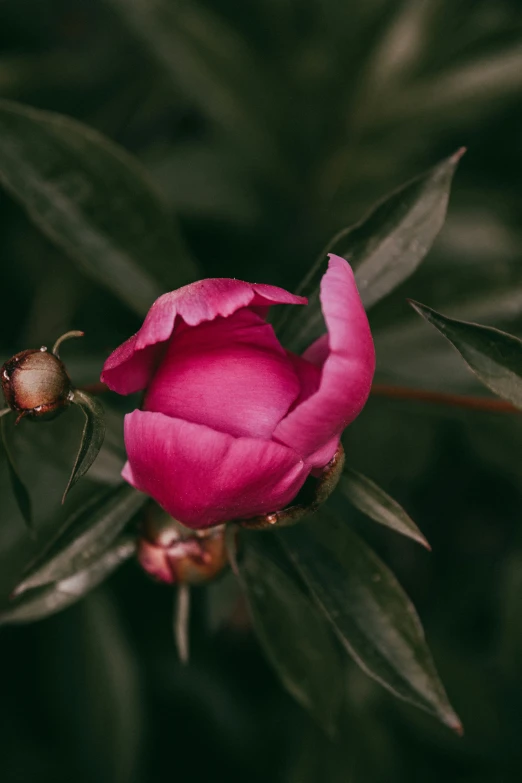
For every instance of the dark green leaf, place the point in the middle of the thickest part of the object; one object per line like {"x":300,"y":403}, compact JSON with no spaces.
{"x":494,"y":356}
{"x":21,"y":492}
{"x":294,"y":636}
{"x":476,"y":85}
{"x":94,"y":200}
{"x":92,"y":436}
{"x":370,"y":613}
{"x":90,"y":534}
{"x":97,"y":690}
{"x":44,"y":601}
{"x":201,"y":180}
{"x":371,"y":500}
{"x":384,"y":248}
{"x":110,"y":461}
{"x":65,"y":525}
{"x":222,"y":597}
{"x":208,"y":61}
{"x":388,"y":245}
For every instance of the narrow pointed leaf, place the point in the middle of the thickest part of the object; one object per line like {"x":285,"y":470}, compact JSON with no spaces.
{"x":95,"y":201}
{"x":389,"y":244}
{"x":75,"y":517}
{"x":21,"y":492}
{"x":294,"y":636}
{"x":494,"y":356}
{"x":91,"y":534}
{"x":370,"y":613}
{"x":384,"y":248}
{"x":92,"y":436}
{"x":45,"y":601}
{"x":373,"y":501}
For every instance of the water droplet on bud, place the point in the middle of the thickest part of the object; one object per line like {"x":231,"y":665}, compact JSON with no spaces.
{"x":35,"y":384}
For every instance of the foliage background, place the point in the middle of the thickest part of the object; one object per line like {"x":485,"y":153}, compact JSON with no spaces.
{"x":270,"y":125}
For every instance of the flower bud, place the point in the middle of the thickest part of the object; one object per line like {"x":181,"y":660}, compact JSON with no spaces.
{"x":35,"y":383}
{"x":173,"y":554}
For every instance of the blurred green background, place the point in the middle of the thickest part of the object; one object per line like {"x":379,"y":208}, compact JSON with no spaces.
{"x":269,"y":125}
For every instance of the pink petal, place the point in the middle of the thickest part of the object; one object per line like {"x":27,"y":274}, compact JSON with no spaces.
{"x":346,"y":374}
{"x":230,"y":374}
{"x":309,"y":377}
{"x":323,"y":455}
{"x":193,"y":304}
{"x":133,"y":369}
{"x":203,"y":477}
{"x":318,"y":352}
{"x":154,"y":560}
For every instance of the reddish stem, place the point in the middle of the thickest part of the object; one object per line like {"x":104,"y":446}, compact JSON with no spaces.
{"x":442,"y":398}
{"x":390,"y":392}
{"x":95,"y":388}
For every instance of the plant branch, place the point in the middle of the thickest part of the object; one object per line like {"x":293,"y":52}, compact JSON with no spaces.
{"x":94,"y":388}
{"x":488,"y":404}
{"x":391,"y":392}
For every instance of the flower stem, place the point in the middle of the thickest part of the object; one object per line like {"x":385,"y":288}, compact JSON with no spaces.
{"x":94,"y":388}
{"x":489,"y":404}
{"x":66,"y":336}
{"x":181,"y":621}
{"x":391,"y":392}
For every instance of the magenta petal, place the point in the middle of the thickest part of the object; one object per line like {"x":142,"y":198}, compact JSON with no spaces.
{"x":318,"y":352}
{"x":127,"y":474}
{"x":346,"y":374}
{"x":194,"y":304}
{"x":308,"y":375}
{"x":323,"y":455}
{"x":203,"y":477}
{"x":128,"y":370}
{"x":230,"y":374}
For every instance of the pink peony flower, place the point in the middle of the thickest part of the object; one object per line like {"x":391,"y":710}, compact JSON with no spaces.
{"x":232,"y":424}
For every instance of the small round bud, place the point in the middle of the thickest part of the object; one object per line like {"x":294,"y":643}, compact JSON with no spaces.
{"x":173,"y":554}
{"x":35,"y":383}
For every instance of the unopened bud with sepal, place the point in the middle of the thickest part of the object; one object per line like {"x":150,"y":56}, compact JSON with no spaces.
{"x":35,"y":382}
{"x":173,"y":554}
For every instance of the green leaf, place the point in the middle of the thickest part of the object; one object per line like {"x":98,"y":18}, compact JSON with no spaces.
{"x":92,"y":436}
{"x":45,"y":601}
{"x":371,"y":500}
{"x":21,"y":492}
{"x":94,"y":200}
{"x":471,"y":88}
{"x":87,"y":536}
{"x":98,"y":691}
{"x":222,"y":597}
{"x":370,"y":613}
{"x":292,"y":633}
{"x":387,"y":246}
{"x":208,"y":61}
{"x":384,"y":249}
{"x":494,"y":356}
